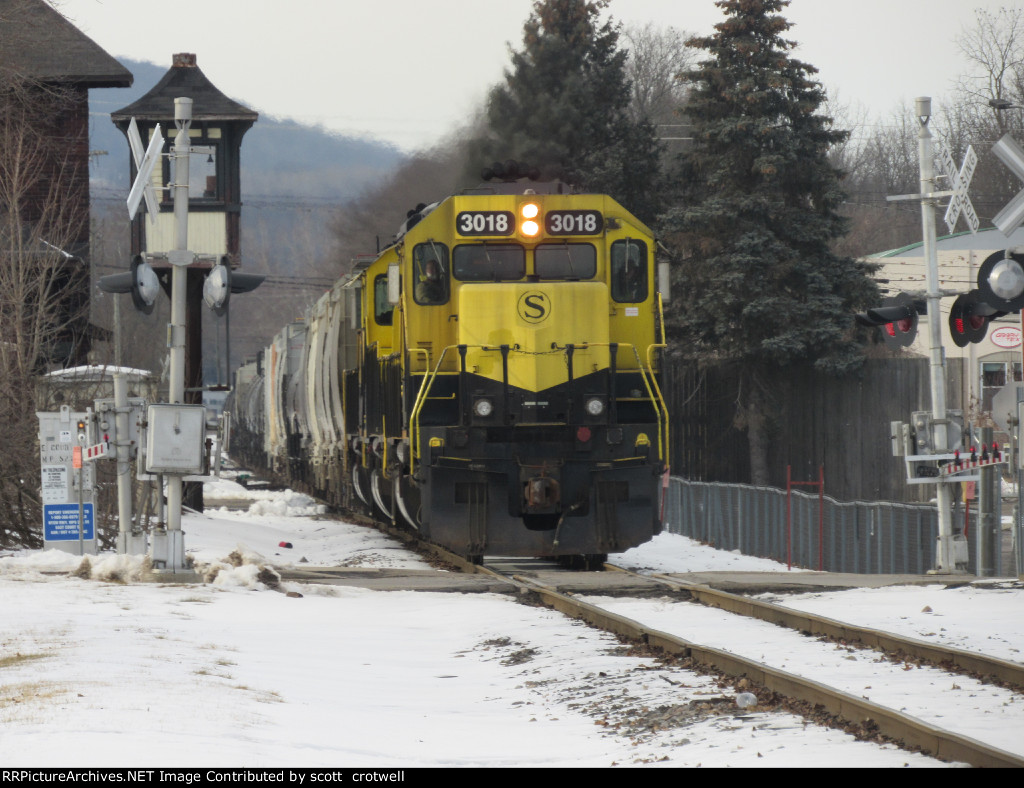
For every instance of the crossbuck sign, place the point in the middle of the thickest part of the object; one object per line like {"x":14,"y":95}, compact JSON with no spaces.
{"x":1010,"y":153}
{"x":959,"y":183}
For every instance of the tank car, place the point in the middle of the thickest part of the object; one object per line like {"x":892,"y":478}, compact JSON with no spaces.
{"x":490,"y":379}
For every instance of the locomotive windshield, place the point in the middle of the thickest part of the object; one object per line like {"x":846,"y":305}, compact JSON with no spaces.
{"x":489,"y":263}
{"x":565,"y":261}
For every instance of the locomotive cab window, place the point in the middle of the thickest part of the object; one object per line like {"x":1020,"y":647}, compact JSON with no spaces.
{"x":565,"y":261}
{"x":430,"y":273}
{"x":489,"y":263}
{"x":383,"y":310}
{"x":629,"y":271}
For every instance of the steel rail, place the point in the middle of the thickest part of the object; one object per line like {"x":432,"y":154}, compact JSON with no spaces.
{"x":910,"y":731}
{"x":982,"y":665}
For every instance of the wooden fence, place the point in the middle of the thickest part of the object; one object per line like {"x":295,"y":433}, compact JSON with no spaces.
{"x":842,"y":424}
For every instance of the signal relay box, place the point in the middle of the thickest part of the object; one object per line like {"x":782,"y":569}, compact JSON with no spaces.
{"x":175,"y":439}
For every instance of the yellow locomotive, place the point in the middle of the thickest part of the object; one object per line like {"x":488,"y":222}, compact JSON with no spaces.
{"x":491,"y":378}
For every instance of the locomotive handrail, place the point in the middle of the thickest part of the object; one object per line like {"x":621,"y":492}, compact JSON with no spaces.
{"x":661,"y":399}
{"x":414,"y":419}
{"x":653,"y":390}
{"x":655,"y":395}
{"x":646,"y":374}
{"x":661,"y":321}
{"x":421,"y":396}
{"x":425,"y":352}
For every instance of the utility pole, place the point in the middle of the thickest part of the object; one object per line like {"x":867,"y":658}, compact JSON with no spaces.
{"x":131,"y":539}
{"x":169,"y":548}
{"x":947,"y":556}
{"x":944,"y":553}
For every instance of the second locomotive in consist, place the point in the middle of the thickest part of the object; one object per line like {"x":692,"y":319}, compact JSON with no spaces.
{"x":491,"y":378}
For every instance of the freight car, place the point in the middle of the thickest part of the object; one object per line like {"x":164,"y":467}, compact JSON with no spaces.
{"x":491,"y":379}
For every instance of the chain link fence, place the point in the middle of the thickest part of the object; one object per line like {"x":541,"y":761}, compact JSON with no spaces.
{"x":825,"y":534}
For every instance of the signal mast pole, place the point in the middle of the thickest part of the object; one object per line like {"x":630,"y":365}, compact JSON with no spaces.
{"x":944,"y":552}
{"x":180,"y":258}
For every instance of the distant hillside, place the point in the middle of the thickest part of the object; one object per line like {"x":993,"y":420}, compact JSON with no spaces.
{"x":280,"y":158}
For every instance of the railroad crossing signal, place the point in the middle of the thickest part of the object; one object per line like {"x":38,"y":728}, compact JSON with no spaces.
{"x":969,"y":318}
{"x":222,"y":282}
{"x":1001,"y":281}
{"x":1010,"y":153}
{"x":141,"y":281}
{"x":145,"y":162}
{"x":898,"y":318}
{"x":960,"y":202}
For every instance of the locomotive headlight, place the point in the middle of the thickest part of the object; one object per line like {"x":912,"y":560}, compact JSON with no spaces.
{"x":483,"y":408}
{"x":595,"y":406}
{"x":529,"y":212}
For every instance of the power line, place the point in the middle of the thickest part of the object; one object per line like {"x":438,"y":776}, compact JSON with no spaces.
{"x":279,"y":280}
{"x":254,"y":201}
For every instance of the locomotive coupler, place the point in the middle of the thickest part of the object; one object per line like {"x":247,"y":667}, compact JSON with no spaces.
{"x":543,"y":494}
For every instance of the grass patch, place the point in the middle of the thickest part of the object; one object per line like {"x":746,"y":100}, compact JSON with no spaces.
{"x":213,"y":673}
{"x":262,"y":696}
{"x":19,"y":659}
{"x":217,"y":647}
{"x":14,"y":695}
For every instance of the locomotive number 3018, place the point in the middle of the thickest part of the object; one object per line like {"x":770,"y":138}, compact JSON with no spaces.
{"x":573,"y":223}
{"x":486,"y":223}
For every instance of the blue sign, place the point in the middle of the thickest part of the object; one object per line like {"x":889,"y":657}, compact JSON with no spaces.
{"x":60,"y":522}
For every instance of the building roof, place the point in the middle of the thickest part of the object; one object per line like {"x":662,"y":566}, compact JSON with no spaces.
{"x":184,"y":79}
{"x":988,"y":239}
{"x":96,"y":372}
{"x":38,"y":43}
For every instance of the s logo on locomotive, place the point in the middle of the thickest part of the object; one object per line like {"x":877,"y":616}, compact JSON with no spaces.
{"x":534,"y":306}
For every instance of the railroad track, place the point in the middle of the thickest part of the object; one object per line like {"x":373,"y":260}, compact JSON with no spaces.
{"x":991,"y":669}
{"x":909,"y":731}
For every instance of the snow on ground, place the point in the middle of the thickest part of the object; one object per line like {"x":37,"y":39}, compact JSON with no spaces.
{"x":958,"y":703}
{"x":983,"y":617}
{"x":669,"y":553}
{"x":98,"y":669}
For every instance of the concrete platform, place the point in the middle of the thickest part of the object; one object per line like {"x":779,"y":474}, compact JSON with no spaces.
{"x":611,"y":582}
{"x":806,"y":582}
{"x":399,"y":580}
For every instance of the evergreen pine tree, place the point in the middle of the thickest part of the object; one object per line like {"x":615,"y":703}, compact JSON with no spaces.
{"x":756,"y":218}
{"x":563,"y":107}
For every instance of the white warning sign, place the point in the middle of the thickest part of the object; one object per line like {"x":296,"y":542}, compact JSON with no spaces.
{"x":55,"y":484}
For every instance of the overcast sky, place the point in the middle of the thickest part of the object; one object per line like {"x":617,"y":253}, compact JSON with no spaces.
{"x":408,"y":71}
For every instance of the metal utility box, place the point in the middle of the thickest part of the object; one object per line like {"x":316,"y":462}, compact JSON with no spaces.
{"x":68,"y":484}
{"x":175,"y":439}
